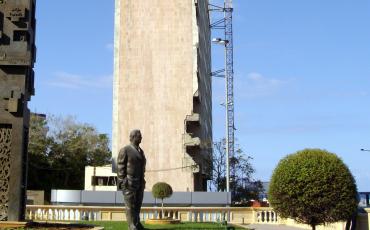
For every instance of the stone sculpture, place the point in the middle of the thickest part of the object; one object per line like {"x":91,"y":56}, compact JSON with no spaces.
{"x":17,"y":56}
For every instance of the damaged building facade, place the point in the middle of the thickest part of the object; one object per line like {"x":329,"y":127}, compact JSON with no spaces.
{"x":162,"y":86}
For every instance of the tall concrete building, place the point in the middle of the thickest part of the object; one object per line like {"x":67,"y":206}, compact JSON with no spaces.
{"x":162,"y":86}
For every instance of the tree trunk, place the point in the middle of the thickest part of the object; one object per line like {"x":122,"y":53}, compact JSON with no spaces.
{"x":66,"y":180}
{"x":313,"y":227}
{"x":94,"y":175}
{"x":162,"y":210}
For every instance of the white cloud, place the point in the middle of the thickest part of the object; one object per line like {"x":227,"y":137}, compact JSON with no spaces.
{"x":349,"y":94}
{"x":364,"y":93}
{"x":109,"y":46}
{"x":258,"y":80}
{"x":257,"y":85}
{"x":250,"y":86}
{"x":75,"y":81}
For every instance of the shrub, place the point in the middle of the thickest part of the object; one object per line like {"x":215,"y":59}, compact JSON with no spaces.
{"x":162,"y":190}
{"x":313,"y":187}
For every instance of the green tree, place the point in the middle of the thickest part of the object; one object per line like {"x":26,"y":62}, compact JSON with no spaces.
{"x":313,"y":187}
{"x":161,"y":190}
{"x":59,"y":150}
{"x":76,"y":145}
{"x":242,"y":184}
{"x":39,"y":145}
{"x":218,"y":180}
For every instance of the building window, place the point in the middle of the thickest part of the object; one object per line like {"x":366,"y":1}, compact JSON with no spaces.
{"x":197,"y":11}
{"x":103,"y":180}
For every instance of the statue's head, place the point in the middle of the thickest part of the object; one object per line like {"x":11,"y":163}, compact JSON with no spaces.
{"x":135,"y":137}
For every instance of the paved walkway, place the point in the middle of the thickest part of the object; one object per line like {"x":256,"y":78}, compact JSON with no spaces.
{"x":270,"y":227}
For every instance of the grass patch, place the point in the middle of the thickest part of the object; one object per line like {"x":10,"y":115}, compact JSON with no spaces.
{"x":119,"y":225}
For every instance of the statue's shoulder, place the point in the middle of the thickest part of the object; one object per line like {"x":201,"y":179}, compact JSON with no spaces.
{"x":125,"y":149}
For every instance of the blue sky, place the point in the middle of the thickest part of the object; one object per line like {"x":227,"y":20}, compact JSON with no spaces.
{"x":301,"y":75}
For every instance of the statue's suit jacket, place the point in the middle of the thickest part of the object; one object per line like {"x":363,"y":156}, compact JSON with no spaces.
{"x":131,"y":168}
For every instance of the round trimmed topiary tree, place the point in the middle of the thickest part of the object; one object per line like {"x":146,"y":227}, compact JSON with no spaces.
{"x":162,"y":190}
{"x":313,"y":187}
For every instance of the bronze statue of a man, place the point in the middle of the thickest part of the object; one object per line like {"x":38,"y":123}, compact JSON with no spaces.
{"x":131,"y":168}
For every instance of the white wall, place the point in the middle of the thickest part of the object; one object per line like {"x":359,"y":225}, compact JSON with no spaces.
{"x":99,"y":171}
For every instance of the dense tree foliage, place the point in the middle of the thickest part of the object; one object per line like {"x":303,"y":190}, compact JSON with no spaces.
{"x":59,"y":149}
{"x":313,"y":187}
{"x":242,"y":185}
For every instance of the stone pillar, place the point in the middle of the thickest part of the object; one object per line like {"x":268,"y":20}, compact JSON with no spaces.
{"x":367,"y":210}
{"x":17,"y":56}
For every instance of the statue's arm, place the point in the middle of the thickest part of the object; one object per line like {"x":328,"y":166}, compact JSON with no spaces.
{"x":122,"y":168}
{"x":144,"y":169}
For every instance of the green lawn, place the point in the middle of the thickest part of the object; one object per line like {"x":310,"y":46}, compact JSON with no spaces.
{"x":114,"y":225}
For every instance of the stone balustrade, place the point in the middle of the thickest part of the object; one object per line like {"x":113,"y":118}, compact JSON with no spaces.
{"x":237,"y":215}
{"x":195,"y":214}
{"x":265,"y":216}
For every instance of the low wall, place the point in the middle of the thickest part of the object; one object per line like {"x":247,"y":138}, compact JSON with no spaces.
{"x":115,"y":198}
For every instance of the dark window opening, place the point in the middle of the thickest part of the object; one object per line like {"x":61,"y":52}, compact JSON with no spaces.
{"x":21,"y":35}
{"x":103,"y":180}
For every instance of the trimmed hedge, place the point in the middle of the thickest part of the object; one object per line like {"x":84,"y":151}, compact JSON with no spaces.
{"x":161,"y":190}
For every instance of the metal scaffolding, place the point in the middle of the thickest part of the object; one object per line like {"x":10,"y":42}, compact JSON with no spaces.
{"x":226,"y":24}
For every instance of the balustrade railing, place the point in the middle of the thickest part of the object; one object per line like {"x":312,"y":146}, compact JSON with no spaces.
{"x":194,"y":214}
{"x":236,"y":215}
{"x":266,"y":216}
{"x":56,"y":213}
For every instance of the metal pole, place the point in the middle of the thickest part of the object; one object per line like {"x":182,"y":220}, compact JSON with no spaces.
{"x":227,"y":21}
{"x":227,"y":129}
{"x":229,"y":76}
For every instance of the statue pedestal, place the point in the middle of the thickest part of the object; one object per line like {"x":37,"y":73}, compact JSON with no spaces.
{"x":45,"y":225}
{"x":161,"y":221}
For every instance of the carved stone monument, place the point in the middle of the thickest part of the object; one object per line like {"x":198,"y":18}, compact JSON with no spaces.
{"x":17,"y":56}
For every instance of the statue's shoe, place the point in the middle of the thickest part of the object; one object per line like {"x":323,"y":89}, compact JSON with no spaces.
{"x":140,"y":227}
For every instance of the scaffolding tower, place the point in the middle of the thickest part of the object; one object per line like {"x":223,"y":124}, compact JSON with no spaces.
{"x":226,"y":24}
